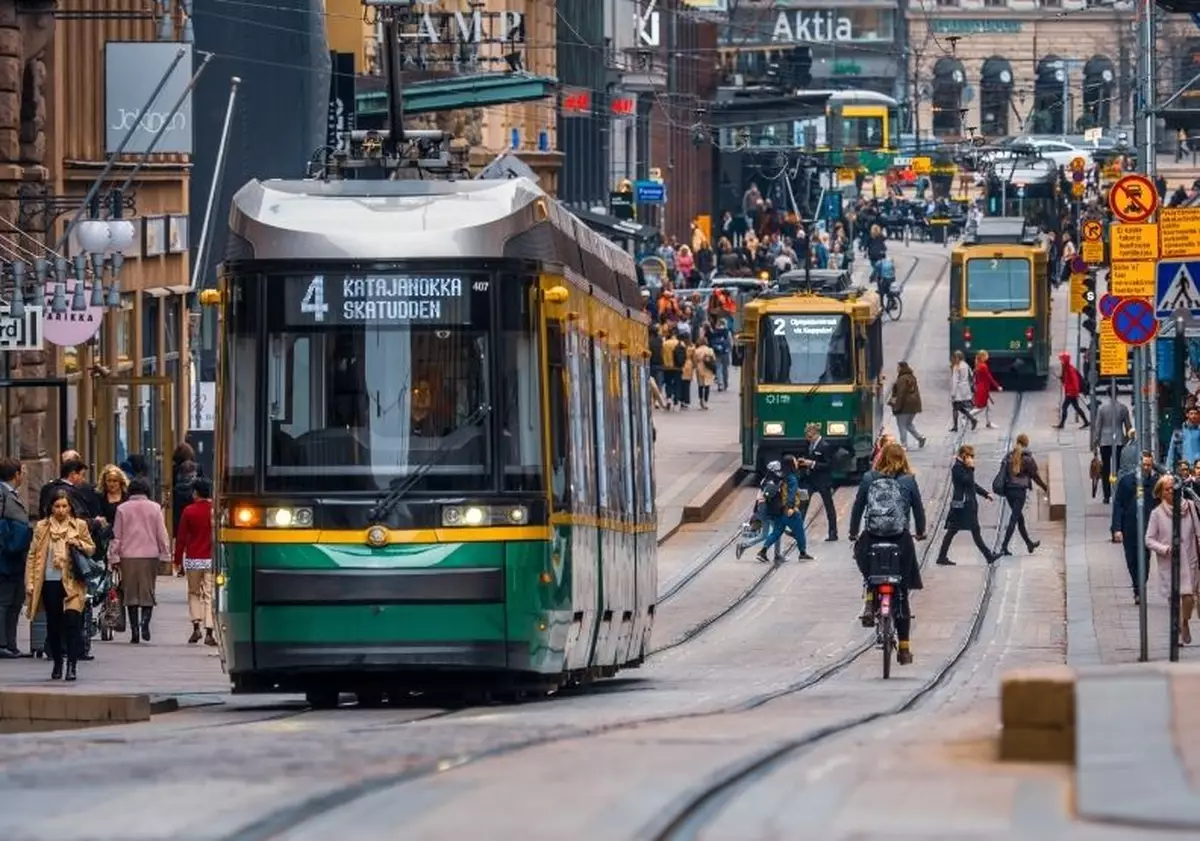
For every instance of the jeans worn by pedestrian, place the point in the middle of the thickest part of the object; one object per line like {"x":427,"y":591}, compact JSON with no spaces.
{"x":784,"y":523}
{"x":905,"y":426}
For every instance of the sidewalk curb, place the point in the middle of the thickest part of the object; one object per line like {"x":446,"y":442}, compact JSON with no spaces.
{"x":702,"y":505}
{"x":1083,"y":646}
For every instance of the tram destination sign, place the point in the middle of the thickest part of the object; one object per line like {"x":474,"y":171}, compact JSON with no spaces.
{"x":380,"y":299}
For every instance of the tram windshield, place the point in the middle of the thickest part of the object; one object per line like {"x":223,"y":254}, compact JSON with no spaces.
{"x":807,"y":349}
{"x":999,"y":284}
{"x":372,"y":379}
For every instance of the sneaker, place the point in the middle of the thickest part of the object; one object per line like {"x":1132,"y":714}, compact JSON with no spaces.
{"x":762,"y":556}
{"x":921,"y":442}
{"x":945,"y":562}
{"x":738,"y":551}
{"x":804,"y":556}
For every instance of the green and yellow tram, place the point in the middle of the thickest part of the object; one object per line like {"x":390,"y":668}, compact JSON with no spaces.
{"x":436,"y":465}
{"x":1000,"y":298}
{"x":811,"y":355}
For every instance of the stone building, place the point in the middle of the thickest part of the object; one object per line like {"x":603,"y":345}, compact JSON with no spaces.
{"x":998,"y":67}
{"x":118,"y":386}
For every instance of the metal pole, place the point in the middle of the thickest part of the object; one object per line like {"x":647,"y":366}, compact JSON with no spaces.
{"x":1180,"y":390}
{"x":1149,"y":164}
{"x":120,"y":150}
{"x":1139,"y":484}
{"x":395,"y":86}
{"x":158,"y":135}
{"x":1066,"y":109}
{"x":202,"y":247}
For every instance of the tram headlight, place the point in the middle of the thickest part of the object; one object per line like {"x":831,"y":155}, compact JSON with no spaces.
{"x":284,"y":517}
{"x":837,"y":428}
{"x":773,"y":428}
{"x":456,"y":516}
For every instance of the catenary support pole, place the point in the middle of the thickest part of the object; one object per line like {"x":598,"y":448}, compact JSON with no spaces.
{"x":1180,"y":389}
{"x":94,"y":189}
{"x":199,"y":268}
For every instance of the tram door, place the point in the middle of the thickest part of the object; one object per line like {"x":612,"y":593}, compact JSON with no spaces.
{"x":137,"y":416}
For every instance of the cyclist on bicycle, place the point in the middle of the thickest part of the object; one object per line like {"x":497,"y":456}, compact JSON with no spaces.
{"x":886,"y":498}
{"x":885,"y":277}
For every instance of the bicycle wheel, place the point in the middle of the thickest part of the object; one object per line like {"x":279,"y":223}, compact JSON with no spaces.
{"x":889,"y":640}
{"x":894,"y":307}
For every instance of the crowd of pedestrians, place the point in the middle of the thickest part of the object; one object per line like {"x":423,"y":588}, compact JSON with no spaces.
{"x":89,"y":545}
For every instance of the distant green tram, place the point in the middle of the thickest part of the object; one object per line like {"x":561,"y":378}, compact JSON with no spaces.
{"x":1000,"y":299}
{"x":811,"y":357}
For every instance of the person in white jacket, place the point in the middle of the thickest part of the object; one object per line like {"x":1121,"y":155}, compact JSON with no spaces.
{"x":961,"y":392}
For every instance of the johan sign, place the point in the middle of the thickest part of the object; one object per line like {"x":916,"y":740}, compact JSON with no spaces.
{"x":131,"y":72}
{"x":381,"y":299}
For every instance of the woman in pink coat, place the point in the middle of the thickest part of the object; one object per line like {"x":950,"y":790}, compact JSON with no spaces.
{"x":985,"y":384}
{"x":1158,"y":541}
{"x":139,"y":544}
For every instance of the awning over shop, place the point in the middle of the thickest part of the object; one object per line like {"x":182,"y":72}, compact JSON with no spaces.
{"x":451,"y":94}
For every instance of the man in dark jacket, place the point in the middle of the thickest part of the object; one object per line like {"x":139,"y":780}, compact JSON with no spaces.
{"x":819,"y":475}
{"x":12,"y":557}
{"x":72,"y":476}
{"x":1125,"y":520}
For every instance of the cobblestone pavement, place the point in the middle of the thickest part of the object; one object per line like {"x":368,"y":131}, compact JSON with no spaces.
{"x":213,"y":773}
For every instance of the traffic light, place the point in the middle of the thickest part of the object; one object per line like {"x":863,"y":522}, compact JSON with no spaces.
{"x":1089,"y":303}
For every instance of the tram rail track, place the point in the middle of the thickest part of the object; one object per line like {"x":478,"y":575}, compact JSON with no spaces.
{"x":699,"y":808}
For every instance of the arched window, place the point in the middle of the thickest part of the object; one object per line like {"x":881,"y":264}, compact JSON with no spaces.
{"x":948,"y":81}
{"x":1048,"y":103}
{"x":995,"y":97}
{"x":1099,"y":88}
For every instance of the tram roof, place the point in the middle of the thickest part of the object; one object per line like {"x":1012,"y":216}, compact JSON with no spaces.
{"x":391,"y":220}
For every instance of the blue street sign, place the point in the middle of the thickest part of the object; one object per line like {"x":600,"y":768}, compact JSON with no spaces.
{"x":650,"y":192}
{"x":1133,"y":321}
{"x":1164,"y":371}
{"x":1178,"y":287}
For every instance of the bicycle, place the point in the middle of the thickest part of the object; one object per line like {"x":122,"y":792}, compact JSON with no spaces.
{"x":893,"y":304}
{"x":884,"y":583}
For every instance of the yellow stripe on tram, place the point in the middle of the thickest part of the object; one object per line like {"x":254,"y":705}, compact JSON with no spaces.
{"x":394,"y":536}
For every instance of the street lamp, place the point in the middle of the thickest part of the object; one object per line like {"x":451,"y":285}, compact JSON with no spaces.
{"x":98,"y":237}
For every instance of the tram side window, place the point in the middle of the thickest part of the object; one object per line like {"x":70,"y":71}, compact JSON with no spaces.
{"x":600,"y":454}
{"x":999,"y":284}
{"x":561,"y":475}
{"x":616,"y":442}
{"x":581,"y":440}
{"x":626,"y":465}
{"x":647,"y":464}
{"x":875,"y":349}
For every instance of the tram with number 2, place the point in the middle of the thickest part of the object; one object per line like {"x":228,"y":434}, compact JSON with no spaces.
{"x":813,"y":353}
{"x":436,"y":467}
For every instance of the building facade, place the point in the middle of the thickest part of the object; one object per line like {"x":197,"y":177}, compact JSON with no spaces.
{"x":1000,"y":67}
{"x":111,"y":374}
{"x":855,"y":44}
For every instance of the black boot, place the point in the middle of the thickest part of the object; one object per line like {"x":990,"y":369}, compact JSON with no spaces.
{"x":147,"y":612}
{"x":135,"y":635}
{"x":70,"y":670}
{"x":209,"y":639}
{"x":56,"y":673}
{"x":195,"y":637}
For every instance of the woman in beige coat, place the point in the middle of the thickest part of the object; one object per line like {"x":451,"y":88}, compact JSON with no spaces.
{"x":705,"y":362}
{"x":51,"y":581}
{"x":1158,"y":541}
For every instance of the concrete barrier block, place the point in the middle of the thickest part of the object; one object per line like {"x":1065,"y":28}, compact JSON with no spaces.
{"x":713,"y":494}
{"x":1027,"y":744}
{"x":1039,"y":697}
{"x":130,"y":708}
{"x":48,"y":706}
{"x":14,"y":706}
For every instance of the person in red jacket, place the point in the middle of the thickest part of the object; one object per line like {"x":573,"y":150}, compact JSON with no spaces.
{"x":1072,"y":385}
{"x":985,"y":384}
{"x":194,"y":552}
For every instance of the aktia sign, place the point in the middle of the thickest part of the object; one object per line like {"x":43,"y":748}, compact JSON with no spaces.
{"x":812,"y":26}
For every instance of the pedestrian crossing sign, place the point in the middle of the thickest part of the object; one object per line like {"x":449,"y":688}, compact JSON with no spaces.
{"x":1178,"y":287}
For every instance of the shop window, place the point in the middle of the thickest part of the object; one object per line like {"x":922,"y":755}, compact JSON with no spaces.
{"x":172,"y":323}
{"x":1048,"y":103}
{"x":150,"y":328}
{"x":948,"y":81}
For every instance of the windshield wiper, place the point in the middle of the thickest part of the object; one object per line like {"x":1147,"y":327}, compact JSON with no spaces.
{"x":401,"y":485}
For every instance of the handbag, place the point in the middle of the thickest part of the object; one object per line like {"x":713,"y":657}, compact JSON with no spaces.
{"x":82,"y":565}
{"x":1094,"y":471}
{"x":1000,"y":482}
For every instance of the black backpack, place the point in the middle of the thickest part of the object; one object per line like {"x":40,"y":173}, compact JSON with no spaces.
{"x":679,"y":355}
{"x":772,"y":491}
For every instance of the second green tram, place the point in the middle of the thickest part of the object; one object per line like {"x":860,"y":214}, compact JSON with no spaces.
{"x":1000,"y":298}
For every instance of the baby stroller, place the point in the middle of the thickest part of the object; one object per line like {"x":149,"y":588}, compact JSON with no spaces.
{"x":105,"y":610}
